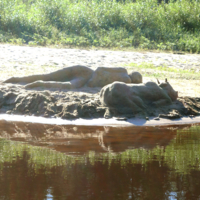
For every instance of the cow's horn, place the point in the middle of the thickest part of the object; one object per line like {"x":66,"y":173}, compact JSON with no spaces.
{"x":158,"y":81}
{"x":166,"y":80}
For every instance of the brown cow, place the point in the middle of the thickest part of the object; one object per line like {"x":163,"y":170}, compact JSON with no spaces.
{"x":134,"y":98}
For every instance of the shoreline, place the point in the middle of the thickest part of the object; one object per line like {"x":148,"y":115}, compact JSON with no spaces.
{"x":102,"y":121}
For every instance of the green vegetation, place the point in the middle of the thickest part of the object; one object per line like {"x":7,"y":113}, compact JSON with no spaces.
{"x":143,"y":24}
{"x":150,"y":70}
{"x":181,"y":155}
{"x":38,"y":157}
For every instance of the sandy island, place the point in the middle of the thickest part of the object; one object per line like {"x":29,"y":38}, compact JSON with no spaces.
{"x":82,"y":106}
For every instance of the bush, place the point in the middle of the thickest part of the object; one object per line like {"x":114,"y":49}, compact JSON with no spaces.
{"x":143,"y":24}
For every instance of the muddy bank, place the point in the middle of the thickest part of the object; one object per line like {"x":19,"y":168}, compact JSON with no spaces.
{"x":81,"y":103}
{"x":66,"y":104}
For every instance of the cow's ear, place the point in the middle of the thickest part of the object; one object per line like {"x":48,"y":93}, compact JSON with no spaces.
{"x":166,"y":80}
{"x":162,"y":85}
{"x":158,"y":81}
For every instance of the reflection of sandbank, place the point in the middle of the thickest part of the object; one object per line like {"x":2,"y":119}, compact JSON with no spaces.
{"x":102,"y":121}
{"x":81,"y":139}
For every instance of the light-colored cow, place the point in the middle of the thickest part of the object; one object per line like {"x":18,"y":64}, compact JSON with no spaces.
{"x":134,"y":98}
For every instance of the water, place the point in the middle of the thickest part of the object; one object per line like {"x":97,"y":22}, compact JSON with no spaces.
{"x":40,"y":161}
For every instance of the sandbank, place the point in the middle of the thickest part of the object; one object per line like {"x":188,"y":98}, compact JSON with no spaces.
{"x":102,"y":121}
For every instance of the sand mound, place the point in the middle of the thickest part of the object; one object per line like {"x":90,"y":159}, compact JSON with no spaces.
{"x":82,"y":103}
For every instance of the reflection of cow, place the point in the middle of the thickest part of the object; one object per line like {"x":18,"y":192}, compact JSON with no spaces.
{"x":133,"y":98}
{"x":82,"y":139}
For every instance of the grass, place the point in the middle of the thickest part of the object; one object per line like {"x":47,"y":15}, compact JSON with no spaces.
{"x":186,"y":82}
{"x":143,"y":24}
{"x":161,"y":72}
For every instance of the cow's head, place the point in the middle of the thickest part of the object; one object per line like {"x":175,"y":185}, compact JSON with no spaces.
{"x":169,"y":89}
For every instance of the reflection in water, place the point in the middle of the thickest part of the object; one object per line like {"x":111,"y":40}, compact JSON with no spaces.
{"x":99,"y":162}
{"x":81,"y":139}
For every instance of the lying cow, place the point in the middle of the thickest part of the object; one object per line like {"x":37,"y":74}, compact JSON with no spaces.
{"x":77,"y":76}
{"x":134,"y":98}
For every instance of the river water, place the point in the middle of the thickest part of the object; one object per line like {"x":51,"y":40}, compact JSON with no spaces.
{"x":43,"y":161}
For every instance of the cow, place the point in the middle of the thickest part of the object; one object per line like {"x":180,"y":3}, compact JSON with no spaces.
{"x":75,"y":77}
{"x":134,"y":98}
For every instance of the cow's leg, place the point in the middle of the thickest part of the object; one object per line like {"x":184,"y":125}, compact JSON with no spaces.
{"x":62,"y":75}
{"x":26,"y":79}
{"x":73,"y":84}
{"x":59,"y":75}
{"x":49,"y":84}
{"x":132,"y":105}
{"x":78,"y":82}
{"x":138,"y":101}
{"x":162,"y":102}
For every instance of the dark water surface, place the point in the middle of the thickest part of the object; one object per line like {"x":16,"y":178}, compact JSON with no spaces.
{"x":40,"y":161}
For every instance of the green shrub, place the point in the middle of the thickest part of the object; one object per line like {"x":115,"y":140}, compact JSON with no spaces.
{"x":144,"y":24}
